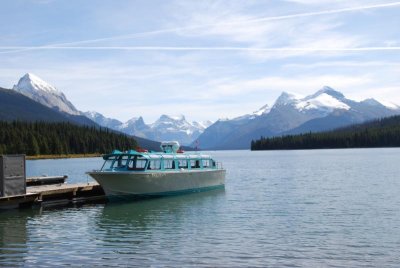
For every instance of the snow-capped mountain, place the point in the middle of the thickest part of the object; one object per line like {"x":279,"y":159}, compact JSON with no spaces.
{"x":102,"y":120}
{"x":290,"y":114}
{"x":325,"y":100}
{"x":134,"y":126}
{"x":202,"y":125}
{"x":38,"y":90}
{"x":165,"y":128}
{"x":174,"y":127}
{"x":322,"y":102}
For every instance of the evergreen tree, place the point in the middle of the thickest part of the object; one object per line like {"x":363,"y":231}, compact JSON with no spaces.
{"x":379,"y":133}
{"x":59,"y":138}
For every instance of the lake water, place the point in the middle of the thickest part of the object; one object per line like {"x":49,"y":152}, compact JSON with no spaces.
{"x":318,"y":208}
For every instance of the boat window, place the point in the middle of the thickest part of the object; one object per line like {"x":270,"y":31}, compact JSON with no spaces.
{"x":121,"y":162}
{"x":182,"y":163}
{"x":169,"y":164}
{"x":154,"y":165}
{"x":137,"y":163}
{"x":194,"y":163}
{"x":206,"y":163}
{"x":108,"y":163}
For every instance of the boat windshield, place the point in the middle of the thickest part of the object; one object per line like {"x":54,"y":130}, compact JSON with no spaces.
{"x":108,"y":163}
{"x":116,"y":161}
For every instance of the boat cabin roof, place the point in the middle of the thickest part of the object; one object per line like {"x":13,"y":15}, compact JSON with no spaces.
{"x":156,"y":155}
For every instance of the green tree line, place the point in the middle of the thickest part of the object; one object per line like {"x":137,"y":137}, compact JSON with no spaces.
{"x":379,"y":133}
{"x":41,"y":138}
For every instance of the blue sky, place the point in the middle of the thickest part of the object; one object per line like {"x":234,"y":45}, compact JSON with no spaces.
{"x":203,"y":59}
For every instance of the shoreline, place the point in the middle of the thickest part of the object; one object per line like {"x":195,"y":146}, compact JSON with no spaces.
{"x":61,"y":156}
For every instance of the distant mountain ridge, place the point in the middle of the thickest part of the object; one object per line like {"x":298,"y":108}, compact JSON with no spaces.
{"x":291,"y":114}
{"x":165,"y":128}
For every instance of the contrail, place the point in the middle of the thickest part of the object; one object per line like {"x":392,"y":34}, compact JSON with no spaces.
{"x":177,"y":29}
{"x":224,"y":48}
{"x":291,"y":16}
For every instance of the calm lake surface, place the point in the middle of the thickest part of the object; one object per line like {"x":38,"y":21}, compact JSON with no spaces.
{"x":319,"y":208}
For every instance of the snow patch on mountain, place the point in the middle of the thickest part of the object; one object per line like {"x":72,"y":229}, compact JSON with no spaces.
{"x":102,"y":120}
{"x":38,"y":90}
{"x":389,"y":105}
{"x":202,"y":125}
{"x":263,"y":110}
{"x":329,"y":91}
{"x":322,"y":102}
{"x":130,"y":122}
{"x":287,"y":98}
{"x":32,"y":83}
{"x":173,"y":123}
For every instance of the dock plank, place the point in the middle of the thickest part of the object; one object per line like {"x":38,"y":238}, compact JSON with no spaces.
{"x":61,"y":188}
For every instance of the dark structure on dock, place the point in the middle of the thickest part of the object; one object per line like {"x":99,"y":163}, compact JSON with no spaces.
{"x":12,"y":175}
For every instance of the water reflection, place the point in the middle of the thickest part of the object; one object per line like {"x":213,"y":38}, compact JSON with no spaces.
{"x":142,"y":213}
{"x":149,"y":231}
{"x":97,"y":233}
{"x":14,"y":236}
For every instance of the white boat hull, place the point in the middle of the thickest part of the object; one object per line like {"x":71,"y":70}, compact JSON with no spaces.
{"x":158,"y":183}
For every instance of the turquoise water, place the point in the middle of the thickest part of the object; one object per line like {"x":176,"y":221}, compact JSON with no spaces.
{"x":320,"y":208}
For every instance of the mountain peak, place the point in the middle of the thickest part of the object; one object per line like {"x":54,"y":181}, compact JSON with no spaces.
{"x":286,"y":98}
{"x":372,"y":101}
{"x":30,"y":83}
{"x":38,"y":90}
{"x":136,"y":120}
{"x":330,"y":91}
{"x":175,"y":118}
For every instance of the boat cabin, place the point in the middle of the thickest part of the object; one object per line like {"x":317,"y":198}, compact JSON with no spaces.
{"x":137,"y":161}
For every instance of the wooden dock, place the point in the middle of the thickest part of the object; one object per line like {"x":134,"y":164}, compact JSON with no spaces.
{"x":55,"y":194}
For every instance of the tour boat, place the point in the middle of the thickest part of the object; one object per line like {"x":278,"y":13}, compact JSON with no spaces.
{"x":169,"y":172}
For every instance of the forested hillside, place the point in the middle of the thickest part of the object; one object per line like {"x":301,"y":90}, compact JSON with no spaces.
{"x":380,"y":133}
{"x":34,"y":138}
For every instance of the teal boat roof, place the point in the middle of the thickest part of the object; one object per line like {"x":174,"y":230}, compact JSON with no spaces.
{"x":157,"y":155}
